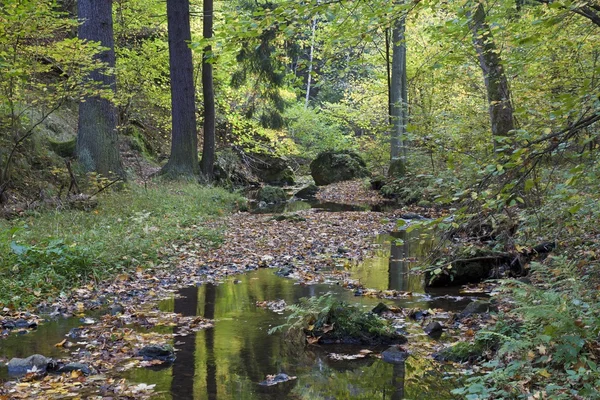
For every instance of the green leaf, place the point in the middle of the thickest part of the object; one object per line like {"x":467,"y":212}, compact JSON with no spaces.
{"x":17,"y":248}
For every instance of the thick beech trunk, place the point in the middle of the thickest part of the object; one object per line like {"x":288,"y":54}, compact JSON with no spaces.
{"x":208,"y":147}
{"x":183,"y":160}
{"x":398,"y":95}
{"x":498,"y":92}
{"x":97,"y":140}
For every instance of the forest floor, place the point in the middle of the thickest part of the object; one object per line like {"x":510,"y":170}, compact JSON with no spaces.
{"x":310,"y":245}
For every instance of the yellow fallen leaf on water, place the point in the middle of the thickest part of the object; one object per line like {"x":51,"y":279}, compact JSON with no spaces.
{"x":61,"y":344}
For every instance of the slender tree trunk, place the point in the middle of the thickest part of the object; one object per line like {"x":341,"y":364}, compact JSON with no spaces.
{"x":498,"y":92}
{"x":388,"y":64}
{"x":310,"y":59}
{"x":97,"y":140}
{"x":208,"y":147}
{"x":398,"y":98}
{"x":183,"y":160}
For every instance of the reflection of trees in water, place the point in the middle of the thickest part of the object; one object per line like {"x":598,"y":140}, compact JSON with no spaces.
{"x":398,"y":374}
{"x":210,"y":298}
{"x":418,"y":378}
{"x":399,"y":268}
{"x":182,"y":384}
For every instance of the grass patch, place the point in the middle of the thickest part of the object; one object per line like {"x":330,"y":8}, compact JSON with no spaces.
{"x":44,"y":254}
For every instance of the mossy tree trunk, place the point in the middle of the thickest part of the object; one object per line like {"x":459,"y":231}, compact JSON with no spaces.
{"x":498,"y":92}
{"x":183,"y":161}
{"x":97,"y":140}
{"x":208,"y":146}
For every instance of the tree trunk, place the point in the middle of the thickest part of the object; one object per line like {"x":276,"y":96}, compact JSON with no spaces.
{"x":208,"y":147}
{"x":498,"y":92}
{"x":97,"y":140}
{"x":310,"y":59}
{"x":398,"y":97}
{"x":183,"y":160}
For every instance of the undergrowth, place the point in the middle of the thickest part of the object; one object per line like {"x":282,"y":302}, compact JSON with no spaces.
{"x":328,"y":316}
{"x":44,"y":254}
{"x":552,"y":347}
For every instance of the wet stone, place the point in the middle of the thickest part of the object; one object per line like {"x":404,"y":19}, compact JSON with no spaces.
{"x":285,"y":271}
{"x":380,"y":308}
{"x":476,"y":307}
{"x":85,"y":369}
{"x":116,"y":309}
{"x":434,"y":329}
{"x":394,"y":355}
{"x":159,"y":352}
{"x":21,"y":366}
{"x":75,"y":333}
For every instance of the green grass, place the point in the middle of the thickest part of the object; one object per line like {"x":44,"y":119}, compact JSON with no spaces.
{"x":44,"y":254}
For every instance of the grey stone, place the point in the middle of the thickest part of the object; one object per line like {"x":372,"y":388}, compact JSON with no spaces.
{"x":434,"y":329}
{"x":395,"y":355}
{"x":157,"y":352}
{"x":476,"y":307}
{"x":85,"y":369}
{"x":20,"y":366}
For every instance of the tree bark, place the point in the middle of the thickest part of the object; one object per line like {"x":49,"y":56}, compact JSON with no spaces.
{"x":183,"y":160}
{"x":208,"y":147}
{"x":498,"y":92}
{"x":97,"y":140}
{"x":398,"y":94}
{"x":310,"y":60}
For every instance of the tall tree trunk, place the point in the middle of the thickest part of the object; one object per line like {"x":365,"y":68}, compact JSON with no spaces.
{"x":183,"y":160}
{"x":498,"y":92}
{"x":97,"y":140}
{"x":208,"y":147}
{"x":398,"y":98}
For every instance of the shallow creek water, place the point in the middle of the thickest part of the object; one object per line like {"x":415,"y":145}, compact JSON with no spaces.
{"x":229,"y":360}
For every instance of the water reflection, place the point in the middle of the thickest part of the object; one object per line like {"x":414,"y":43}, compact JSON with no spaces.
{"x":229,"y":360}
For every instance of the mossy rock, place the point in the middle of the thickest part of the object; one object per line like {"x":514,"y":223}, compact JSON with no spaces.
{"x":461,"y":352}
{"x":272,"y":170}
{"x":337,"y":166}
{"x":64,"y":149}
{"x":308,"y":193}
{"x":271,"y":194}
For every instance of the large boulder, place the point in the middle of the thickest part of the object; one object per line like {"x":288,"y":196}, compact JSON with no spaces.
{"x":272,"y":170}
{"x":231,"y":171}
{"x":308,"y":193}
{"x":336,"y":166}
{"x":271,"y":195}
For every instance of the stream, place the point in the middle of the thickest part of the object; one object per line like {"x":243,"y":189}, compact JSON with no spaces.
{"x":230,"y":359}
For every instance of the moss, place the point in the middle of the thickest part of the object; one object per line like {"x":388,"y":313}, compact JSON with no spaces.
{"x":64,"y":149}
{"x":462,"y":352}
{"x":271,"y":194}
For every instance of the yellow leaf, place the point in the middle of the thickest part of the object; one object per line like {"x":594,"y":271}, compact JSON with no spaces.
{"x":541,"y":349}
{"x":545,"y":373}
